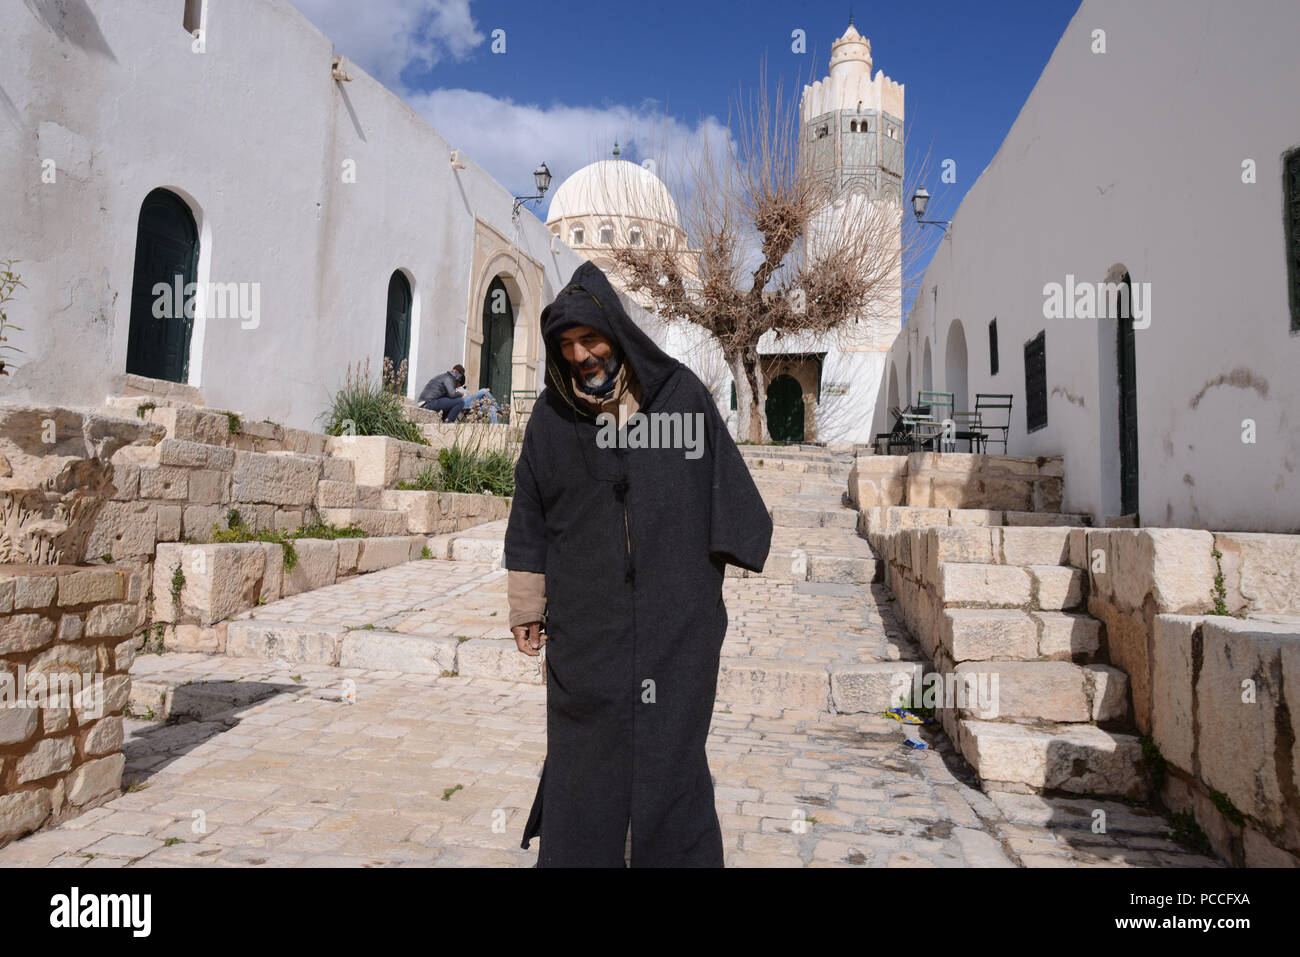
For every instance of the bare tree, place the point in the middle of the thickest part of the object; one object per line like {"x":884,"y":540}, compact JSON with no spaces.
{"x":768,"y":245}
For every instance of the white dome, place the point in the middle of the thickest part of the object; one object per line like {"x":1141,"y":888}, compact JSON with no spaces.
{"x":610,"y":188}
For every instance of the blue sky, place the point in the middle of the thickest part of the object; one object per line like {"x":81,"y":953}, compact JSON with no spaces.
{"x":583,"y":73}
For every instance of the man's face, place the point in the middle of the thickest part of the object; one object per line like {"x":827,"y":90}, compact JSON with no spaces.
{"x":589,"y":353}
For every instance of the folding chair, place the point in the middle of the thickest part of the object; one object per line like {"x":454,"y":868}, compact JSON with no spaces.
{"x":996,"y":403}
{"x":895,"y":437}
{"x":940,"y":404}
{"x":970,"y":428}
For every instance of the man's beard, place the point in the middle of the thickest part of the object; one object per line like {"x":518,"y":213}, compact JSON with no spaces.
{"x":597,"y":378}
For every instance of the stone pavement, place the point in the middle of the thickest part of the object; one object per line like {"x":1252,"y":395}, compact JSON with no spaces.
{"x":265,"y":763}
{"x":428,"y":770}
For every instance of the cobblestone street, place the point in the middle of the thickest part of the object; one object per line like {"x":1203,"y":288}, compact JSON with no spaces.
{"x":441,"y":770}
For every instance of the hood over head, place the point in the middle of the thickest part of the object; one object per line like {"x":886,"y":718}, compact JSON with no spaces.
{"x":590,"y":300}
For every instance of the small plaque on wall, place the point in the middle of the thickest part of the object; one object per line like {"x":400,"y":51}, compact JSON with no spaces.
{"x":835,"y":388}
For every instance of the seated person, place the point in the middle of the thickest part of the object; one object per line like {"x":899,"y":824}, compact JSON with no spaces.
{"x":444,"y":394}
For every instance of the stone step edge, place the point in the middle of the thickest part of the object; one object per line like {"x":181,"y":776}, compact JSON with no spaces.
{"x":841,"y":688}
{"x":1017,"y":757}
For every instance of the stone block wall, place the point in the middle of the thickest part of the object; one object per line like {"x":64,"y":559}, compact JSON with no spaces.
{"x":958,"y":480}
{"x":1212,"y":644}
{"x":1225,"y":715}
{"x":67,"y":642}
{"x":198,"y":588}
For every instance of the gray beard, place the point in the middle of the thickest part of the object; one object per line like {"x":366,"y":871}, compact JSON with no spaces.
{"x":598,"y":378}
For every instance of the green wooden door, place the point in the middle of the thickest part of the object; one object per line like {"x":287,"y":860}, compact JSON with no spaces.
{"x":166,"y":251}
{"x":397,"y":328}
{"x":785,"y":409}
{"x":497,"y":357}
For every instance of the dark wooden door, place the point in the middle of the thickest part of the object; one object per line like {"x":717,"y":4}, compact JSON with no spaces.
{"x":784,"y":409}
{"x":1128,"y":424}
{"x":166,"y":251}
{"x":397,"y":328}
{"x":497,"y":357}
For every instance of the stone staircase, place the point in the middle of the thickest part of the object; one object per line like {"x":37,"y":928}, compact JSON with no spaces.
{"x":999,"y":610}
{"x":814,"y":534}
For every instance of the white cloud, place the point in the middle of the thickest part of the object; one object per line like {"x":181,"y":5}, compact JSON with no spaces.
{"x":509,"y":139}
{"x":506,"y":138}
{"x":387,"y":36}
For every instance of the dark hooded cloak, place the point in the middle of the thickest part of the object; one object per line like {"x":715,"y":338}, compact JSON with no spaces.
{"x":633,"y":543}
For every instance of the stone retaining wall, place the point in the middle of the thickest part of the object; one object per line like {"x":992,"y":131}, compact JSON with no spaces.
{"x":60,"y":624}
{"x":1218,"y":693}
{"x":179,"y":489}
{"x":1226,"y":717}
{"x":958,"y":480}
{"x":216,"y":582}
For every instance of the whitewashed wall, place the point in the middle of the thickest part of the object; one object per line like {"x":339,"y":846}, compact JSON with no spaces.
{"x":1133,"y":158}
{"x":252,"y":133}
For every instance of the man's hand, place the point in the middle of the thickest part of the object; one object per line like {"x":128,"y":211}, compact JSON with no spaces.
{"x":529,"y":638}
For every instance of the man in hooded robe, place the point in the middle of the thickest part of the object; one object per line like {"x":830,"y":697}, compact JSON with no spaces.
{"x":616,"y":554}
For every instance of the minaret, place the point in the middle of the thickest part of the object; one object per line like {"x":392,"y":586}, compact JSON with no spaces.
{"x":852,"y":123}
{"x":852,"y":128}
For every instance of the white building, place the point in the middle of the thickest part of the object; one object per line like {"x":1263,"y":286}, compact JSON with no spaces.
{"x":1170,"y":159}
{"x":140,"y":140}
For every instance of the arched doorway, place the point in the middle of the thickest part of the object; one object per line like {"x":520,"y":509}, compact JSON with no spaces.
{"x":167,"y":253}
{"x":892,"y":394}
{"x":1126,"y":354}
{"x":397,"y":326}
{"x":954,"y":367}
{"x":784,"y":409}
{"x":496,"y":359}
{"x":927,"y":370}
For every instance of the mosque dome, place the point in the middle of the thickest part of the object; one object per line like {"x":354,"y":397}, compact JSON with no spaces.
{"x":614,"y":188}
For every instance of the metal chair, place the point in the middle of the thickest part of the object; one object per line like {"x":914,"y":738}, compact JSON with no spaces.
{"x":937,"y":403}
{"x":997,"y":403}
{"x":896,"y":437}
{"x":969,"y":426}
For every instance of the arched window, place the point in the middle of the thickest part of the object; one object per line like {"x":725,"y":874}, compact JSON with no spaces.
{"x":634,"y":235}
{"x":607,"y":235}
{"x":663,"y":241}
{"x":397,"y":327}
{"x":853,"y":126}
{"x":577,"y":236}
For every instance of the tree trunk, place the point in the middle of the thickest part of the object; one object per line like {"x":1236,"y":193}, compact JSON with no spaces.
{"x":751,"y":424}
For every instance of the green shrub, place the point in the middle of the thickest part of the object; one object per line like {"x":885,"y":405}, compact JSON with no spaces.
{"x":468,"y":465}
{"x":365,"y":406}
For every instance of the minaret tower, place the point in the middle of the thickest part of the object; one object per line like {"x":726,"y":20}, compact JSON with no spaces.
{"x":852,"y":128}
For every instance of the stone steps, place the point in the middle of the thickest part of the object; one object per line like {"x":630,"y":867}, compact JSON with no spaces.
{"x":1037,"y":587}
{"x":1056,"y":691}
{"x":986,"y":634}
{"x":813,"y":517}
{"x":1077,"y":758}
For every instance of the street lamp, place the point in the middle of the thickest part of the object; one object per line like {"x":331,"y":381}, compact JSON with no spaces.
{"x":921,"y":199}
{"x":542,"y":177}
